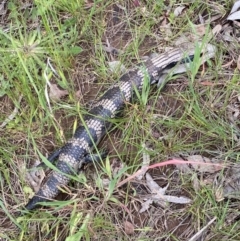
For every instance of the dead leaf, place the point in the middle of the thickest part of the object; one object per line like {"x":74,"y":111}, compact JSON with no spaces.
{"x":208,"y":181}
{"x":145,"y":163}
{"x":174,"y":199}
{"x":145,"y":205}
{"x":110,"y":49}
{"x":128,"y":228}
{"x":183,"y":167}
{"x":158,"y":196}
{"x":235,"y":7}
{"x":195,"y":182}
{"x":207,"y":83}
{"x":180,"y":41}
{"x":168,"y":31}
{"x":233,"y":113}
{"x":201,"y":164}
{"x":35,"y":177}
{"x":200,"y":29}
{"x":228,"y":34}
{"x":56,"y":93}
{"x":79,"y":94}
{"x":216,"y":30}
{"x":231,"y":190}
{"x":178,"y":10}
{"x":219,"y":194}
{"x":105,"y":182}
{"x":115,"y":66}
{"x":153,"y":186}
{"x":116,"y":167}
{"x":237,"y":24}
{"x":3,"y":8}
{"x":234,"y":14}
{"x":228,"y":185}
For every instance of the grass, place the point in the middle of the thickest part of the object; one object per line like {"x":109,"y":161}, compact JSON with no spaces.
{"x":61,"y":42}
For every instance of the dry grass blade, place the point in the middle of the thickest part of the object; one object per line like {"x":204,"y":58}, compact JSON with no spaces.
{"x":200,"y":232}
{"x":12,"y":115}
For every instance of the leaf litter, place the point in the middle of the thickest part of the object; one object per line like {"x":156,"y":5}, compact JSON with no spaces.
{"x":55,"y":92}
{"x":158,"y":196}
{"x":157,"y":193}
{"x":35,"y":177}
